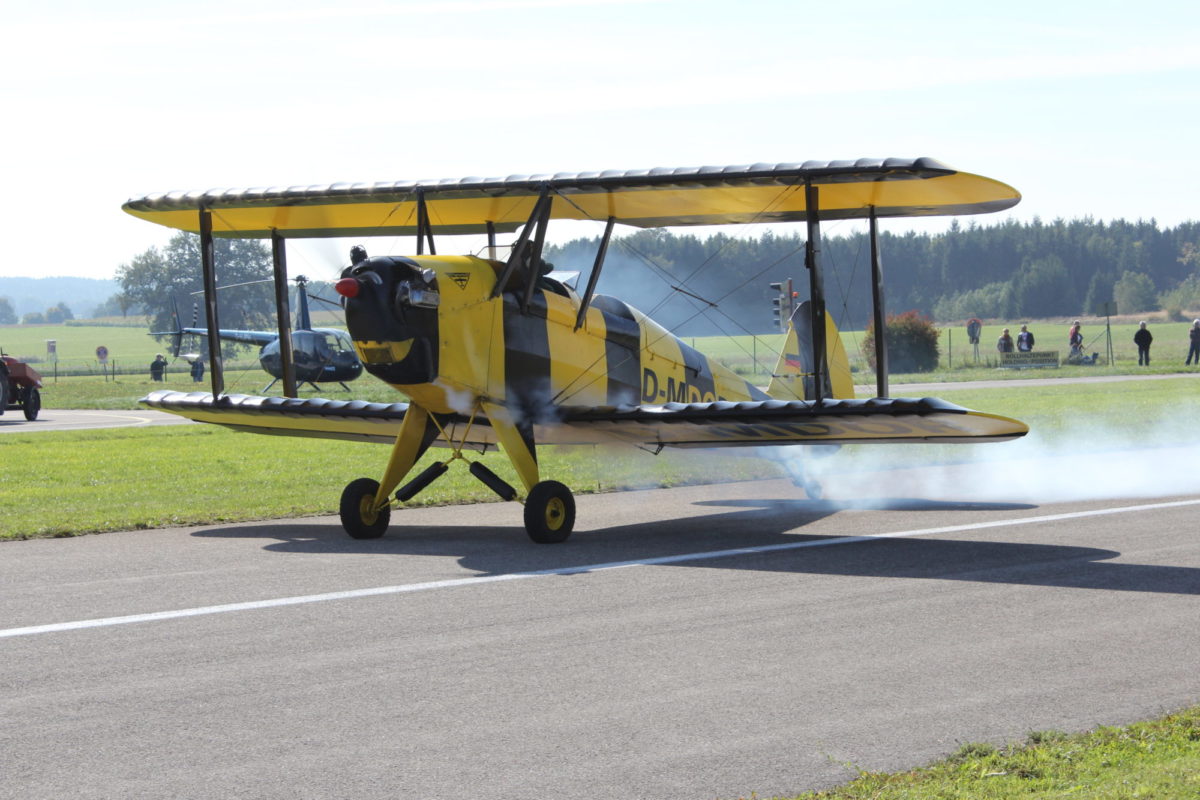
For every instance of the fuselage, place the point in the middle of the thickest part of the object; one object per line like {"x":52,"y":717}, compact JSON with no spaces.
{"x":319,"y":354}
{"x":428,"y":326}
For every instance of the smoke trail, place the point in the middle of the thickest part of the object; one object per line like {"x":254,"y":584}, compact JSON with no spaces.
{"x":1079,"y":462}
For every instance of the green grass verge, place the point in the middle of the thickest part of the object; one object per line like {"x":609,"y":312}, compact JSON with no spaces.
{"x":86,"y":481}
{"x":1134,"y":409}
{"x":69,"y":483}
{"x":1155,"y":759}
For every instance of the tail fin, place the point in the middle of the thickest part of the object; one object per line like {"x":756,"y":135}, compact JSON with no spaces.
{"x":793,"y":376}
{"x":177,"y":334}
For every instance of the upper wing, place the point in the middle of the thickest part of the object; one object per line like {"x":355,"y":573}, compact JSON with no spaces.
{"x":719,"y":424}
{"x":645,"y":198}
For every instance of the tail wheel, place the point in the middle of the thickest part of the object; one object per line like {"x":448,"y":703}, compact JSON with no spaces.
{"x":549,"y":513}
{"x":31,"y":403}
{"x":360,"y":517}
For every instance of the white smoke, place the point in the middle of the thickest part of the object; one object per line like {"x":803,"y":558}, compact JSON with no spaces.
{"x":462,"y":401}
{"x":1078,"y":463}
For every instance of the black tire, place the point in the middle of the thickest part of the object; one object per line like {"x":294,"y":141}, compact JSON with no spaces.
{"x":3,"y":388}
{"x":355,"y":509}
{"x":31,"y":403}
{"x":549,"y":513}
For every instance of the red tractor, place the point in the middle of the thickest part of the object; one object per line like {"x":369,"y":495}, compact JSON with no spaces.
{"x":19,"y":385}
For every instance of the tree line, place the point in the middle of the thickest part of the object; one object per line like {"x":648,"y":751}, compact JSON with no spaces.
{"x":58,"y":313}
{"x":720,"y":284}
{"x":1013,"y":270}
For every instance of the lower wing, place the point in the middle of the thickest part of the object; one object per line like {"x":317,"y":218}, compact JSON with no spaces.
{"x":718,"y":424}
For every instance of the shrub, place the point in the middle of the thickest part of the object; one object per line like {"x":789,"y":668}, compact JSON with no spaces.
{"x":912,"y":343}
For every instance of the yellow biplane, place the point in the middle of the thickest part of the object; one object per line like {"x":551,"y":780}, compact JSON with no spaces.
{"x":497,"y":354}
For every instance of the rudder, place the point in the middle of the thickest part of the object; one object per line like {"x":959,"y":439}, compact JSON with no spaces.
{"x":792,"y":378}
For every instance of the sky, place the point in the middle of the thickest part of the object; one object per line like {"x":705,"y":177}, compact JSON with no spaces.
{"x":1089,"y":109}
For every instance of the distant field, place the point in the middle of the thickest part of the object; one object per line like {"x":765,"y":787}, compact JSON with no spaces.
{"x":78,"y":343}
{"x":129,"y":345}
{"x":131,"y":350}
{"x":754,"y":356}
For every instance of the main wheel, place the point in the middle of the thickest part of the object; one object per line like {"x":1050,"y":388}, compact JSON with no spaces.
{"x":31,"y":403}
{"x":360,"y":518}
{"x":549,"y":513}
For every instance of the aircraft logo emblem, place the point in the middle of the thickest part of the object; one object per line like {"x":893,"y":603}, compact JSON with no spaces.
{"x":460,"y":278}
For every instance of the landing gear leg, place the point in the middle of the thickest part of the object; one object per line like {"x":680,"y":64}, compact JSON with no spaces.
{"x":365,"y":507}
{"x":549,"y":505}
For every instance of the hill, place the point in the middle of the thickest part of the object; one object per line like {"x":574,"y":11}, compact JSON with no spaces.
{"x":82,"y":295}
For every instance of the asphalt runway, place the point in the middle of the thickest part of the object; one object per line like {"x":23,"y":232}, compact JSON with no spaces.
{"x":59,"y":419}
{"x":699,"y":642}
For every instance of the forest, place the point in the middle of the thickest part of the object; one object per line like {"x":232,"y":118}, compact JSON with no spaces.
{"x":1014,"y":270}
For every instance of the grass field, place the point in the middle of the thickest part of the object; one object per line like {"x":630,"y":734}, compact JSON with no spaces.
{"x":77,"y":482}
{"x":130,"y":349}
{"x":1154,"y":760}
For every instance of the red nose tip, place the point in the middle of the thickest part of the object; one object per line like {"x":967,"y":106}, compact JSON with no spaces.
{"x":347,"y":287}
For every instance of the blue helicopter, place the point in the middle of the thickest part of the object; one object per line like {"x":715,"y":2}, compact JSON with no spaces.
{"x":319,"y":355}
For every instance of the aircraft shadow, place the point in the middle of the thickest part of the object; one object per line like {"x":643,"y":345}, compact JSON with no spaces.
{"x":493,"y":550}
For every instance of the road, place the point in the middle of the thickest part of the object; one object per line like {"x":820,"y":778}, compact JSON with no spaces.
{"x":58,"y":419}
{"x":696,"y":642}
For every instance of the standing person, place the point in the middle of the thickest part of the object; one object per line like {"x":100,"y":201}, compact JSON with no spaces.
{"x":1075,"y":338}
{"x":1005,"y":343}
{"x":1142,"y":339}
{"x":198,"y":370}
{"x":1025,"y":340}
{"x":157,"y":366}
{"x":1194,"y":347}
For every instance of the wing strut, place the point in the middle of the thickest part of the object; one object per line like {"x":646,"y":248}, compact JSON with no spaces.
{"x":491,"y":239}
{"x":517,"y":256}
{"x":595,"y":276}
{"x":812,"y":260}
{"x":424,"y":228}
{"x":283,"y":313}
{"x":216,"y":370}
{"x":533,"y":261}
{"x":881,"y":359}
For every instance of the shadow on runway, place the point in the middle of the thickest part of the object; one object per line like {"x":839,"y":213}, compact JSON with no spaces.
{"x":496,"y":550}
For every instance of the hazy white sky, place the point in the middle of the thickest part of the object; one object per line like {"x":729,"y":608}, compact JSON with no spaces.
{"x":1087,"y":108}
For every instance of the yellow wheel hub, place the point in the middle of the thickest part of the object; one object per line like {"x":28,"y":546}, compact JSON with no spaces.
{"x":556,"y":512}
{"x":367,"y":510}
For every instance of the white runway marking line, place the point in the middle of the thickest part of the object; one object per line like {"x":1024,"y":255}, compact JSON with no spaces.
{"x":105,"y":622}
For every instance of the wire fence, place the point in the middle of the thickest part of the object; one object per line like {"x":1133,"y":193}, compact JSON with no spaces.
{"x":51,"y":371}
